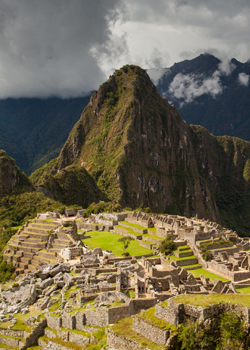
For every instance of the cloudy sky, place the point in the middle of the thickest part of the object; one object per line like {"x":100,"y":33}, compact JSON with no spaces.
{"x":69,"y":47}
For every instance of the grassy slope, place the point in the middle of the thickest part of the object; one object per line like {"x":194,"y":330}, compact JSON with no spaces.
{"x":200,"y":300}
{"x":205,"y":273}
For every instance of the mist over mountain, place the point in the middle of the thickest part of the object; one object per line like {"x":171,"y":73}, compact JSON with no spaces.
{"x":210,"y":93}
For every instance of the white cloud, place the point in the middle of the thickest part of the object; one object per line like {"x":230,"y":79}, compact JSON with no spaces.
{"x":69,"y":47}
{"x":156,"y":74}
{"x":226,"y":67}
{"x":243,"y":79}
{"x":46,"y":47}
{"x":187,"y":87}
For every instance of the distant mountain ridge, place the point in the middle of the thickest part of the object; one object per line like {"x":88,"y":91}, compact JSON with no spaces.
{"x":33,"y":130}
{"x":204,"y":90}
{"x":210,"y":93}
{"x":139,"y":151}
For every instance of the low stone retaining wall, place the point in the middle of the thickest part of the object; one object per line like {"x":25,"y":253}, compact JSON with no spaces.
{"x":121,"y":343}
{"x":150,"y":332}
{"x":179,"y":254}
{"x":136,"y":229}
{"x":186,"y":262}
{"x":152,"y":240}
{"x":124,"y":232}
{"x":146,"y":245}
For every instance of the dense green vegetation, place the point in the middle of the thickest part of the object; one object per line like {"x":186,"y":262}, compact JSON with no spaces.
{"x":6,"y":269}
{"x":227,"y":332}
{"x":33,"y":130}
{"x":167,"y":246}
{"x":15,"y":210}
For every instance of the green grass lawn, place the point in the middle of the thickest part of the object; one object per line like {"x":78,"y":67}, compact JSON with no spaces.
{"x":153,"y":229}
{"x":206,"y":273}
{"x":129,"y":230}
{"x":206,"y":300}
{"x":245,"y":290}
{"x":109,"y":241}
{"x":180,"y":259}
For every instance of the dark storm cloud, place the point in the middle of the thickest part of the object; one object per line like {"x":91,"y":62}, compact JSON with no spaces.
{"x":46,"y":47}
{"x":69,"y":47}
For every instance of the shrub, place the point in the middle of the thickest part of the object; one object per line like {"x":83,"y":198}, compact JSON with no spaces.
{"x":167,"y":246}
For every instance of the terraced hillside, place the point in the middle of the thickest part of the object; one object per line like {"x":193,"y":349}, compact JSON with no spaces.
{"x":38,"y":242}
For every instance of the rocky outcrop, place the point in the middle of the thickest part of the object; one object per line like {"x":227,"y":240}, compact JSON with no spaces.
{"x":140,"y":152}
{"x":12,"y":180}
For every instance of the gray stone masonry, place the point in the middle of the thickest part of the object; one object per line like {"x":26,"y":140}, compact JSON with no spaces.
{"x":78,"y":339}
{"x":116,"y":342}
{"x":80,"y":321}
{"x":54,"y":322}
{"x":68,"y":321}
{"x":150,"y":332}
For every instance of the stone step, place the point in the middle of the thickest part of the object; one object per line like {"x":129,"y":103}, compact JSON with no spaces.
{"x":186,"y":261}
{"x":11,"y":342}
{"x":23,"y":235}
{"x":28,"y":255}
{"x":44,"y":226}
{"x":16,"y":258}
{"x":35,"y":262}
{"x":65,"y":345}
{"x":27,"y":271}
{"x":36,"y":230}
{"x":33,"y":245}
{"x":62,"y":241}
{"x":32,"y":268}
{"x":19,"y":271}
{"x":43,"y":237}
{"x":59,"y":246}
{"x":62,"y":235}
{"x":54,"y":250}
{"x":46,"y":222}
{"x":48,"y":260}
{"x":50,"y":255}
{"x":23,"y":265}
{"x":28,"y":249}
{"x":183,"y":254}
{"x":8,"y":256}
{"x":25,"y":260}
{"x":34,"y":240}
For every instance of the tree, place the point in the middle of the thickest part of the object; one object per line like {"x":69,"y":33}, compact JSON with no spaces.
{"x":167,"y":246}
{"x":126,"y":242}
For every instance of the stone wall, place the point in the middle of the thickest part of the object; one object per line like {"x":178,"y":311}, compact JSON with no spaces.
{"x":124,"y":232}
{"x":150,"y":332}
{"x":117,"y":342}
{"x":118,"y":313}
{"x":234,"y":276}
{"x":138,"y":230}
{"x":151,"y":239}
{"x":99,"y":318}
{"x":68,"y":321}
{"x":171,"y":314}
{"x":141,"y":304}
{"x":54,"y":322}
{"x":146,"y":245}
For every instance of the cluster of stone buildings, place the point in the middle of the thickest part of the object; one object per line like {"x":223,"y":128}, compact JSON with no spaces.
{"x":106,"y":289}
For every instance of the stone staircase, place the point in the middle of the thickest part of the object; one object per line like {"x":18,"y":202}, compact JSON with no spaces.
{"x":31,"y":246}
{"x":183,"y":255}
